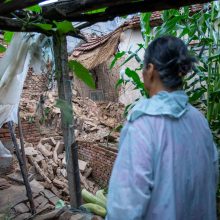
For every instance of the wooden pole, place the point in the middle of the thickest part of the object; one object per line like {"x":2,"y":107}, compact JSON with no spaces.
{"x":22,"y":168}
{"x":65,"y":94}
{"x":20,"y":133}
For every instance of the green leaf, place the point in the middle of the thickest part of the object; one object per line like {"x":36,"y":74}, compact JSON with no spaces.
{"x":47,"y":27}
{"x":116,"y":58}
{"x":196,"y":95}
{"x":64,"y":27}
{"x":8,"y":36}
{"x":82,"y":73}
{"x":145,"y":27}
{"x":133,"y":75}
{"x":96,"y":11}
{"x":119,"y":82}
{"x":60,"y":204}
{"x":65,"y":109}
{"x":35,"y":8}
{"x":2,"y":48}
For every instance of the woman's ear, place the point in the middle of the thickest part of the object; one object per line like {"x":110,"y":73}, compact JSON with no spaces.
{"x":148,"y":75}
{"x":150,"y":71}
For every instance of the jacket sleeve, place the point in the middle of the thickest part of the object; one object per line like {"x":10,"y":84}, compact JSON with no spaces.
{"x":216,"y":165}
{"x":132,"y":177}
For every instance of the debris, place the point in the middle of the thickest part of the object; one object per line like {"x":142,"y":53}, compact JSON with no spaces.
{"x":58,"y":150}
{"x":39,"y":170}
{"x":13,"y":195}
{"x":23,"y":216}
{"x":16,"y":176}
{"x":50,"y":141}
{"x":40,"y":201}
{"x":82,"y":165}
{"x":36,"y":186}
{"x":30,"y":151}
{"x":59,"y":184}
{"x":51,"y":215}
{"x":43,"y":150}
{"x":4,"y":184}
{"x":21,"y":208}
{"x":88,"y":172}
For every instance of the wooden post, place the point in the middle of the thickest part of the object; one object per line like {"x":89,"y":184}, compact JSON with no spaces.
{"x":23,"y":168}
{"x":65,"y":93}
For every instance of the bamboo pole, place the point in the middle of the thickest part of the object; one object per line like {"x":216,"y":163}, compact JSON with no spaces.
{"x":22,"y":168}
{"x":65,"y":94}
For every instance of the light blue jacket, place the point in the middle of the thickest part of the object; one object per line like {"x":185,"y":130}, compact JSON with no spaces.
{"x":166,"y":167}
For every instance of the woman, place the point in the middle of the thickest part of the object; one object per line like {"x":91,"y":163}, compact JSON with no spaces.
{"x":166,"y":167}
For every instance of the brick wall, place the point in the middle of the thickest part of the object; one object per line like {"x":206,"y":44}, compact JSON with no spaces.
{"x":34,"y":86}
{"x":100,"y":158}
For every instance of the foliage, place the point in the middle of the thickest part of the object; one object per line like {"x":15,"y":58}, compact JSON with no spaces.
{"x":2,"y":48}
{"x":8,"y":36}
{"x":201,"y":31}
{"x":82,"y":73}
{"x":64,"y":27}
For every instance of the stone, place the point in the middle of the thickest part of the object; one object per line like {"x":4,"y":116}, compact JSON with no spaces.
{"x":12,"y":196}
{"x":48,"y":146}
{"x":26,"y":145}
{"x":77,"y":217}
{"x":50,"y":141}
{"x":16,"y":176}
{"x":54,"y":200}
{"x":36,"y":186}
{"x":23,"y":216}
{"x":63,"y":172}
{"x":30,"y":151}
{"x":40,"y":201}
{"x":43,"y":150}
{"x":4,"y":184}
{"x":82,"y":165}
{"x":48,"y":194}
{"x":39,"y":157}
{"x":21,"y":208}
{"x":64,"y":161}
{"x":61,"y":156}
{"x":96,"y":217}
{"x":42,"y":208}
{"x":59,"y":147}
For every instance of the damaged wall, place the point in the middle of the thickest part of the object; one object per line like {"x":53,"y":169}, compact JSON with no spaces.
{"x":33,"y":88}
{"x":100,"y":158}
{"x":103,"y":117}
{"x":105,"y":82}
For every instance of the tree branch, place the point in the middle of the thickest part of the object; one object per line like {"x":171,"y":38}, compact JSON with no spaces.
{"x":18,"y":26}
{"x":11,"y":6}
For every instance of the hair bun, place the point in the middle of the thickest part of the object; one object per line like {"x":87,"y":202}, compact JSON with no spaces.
{"x":184,"y":64}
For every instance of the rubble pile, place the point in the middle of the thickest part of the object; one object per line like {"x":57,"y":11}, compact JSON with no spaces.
{"x":46,"y":168}
{"x":95,"y":122}
{"x":48,"y":165}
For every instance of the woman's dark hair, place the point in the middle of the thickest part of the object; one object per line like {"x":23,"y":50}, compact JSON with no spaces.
{"x":171,"y":59}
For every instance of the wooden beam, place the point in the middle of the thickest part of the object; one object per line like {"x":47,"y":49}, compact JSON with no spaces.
{"x":118,"y":10}
{"x":80,"y":6}
{"x":65,"y":93}
{"x":11,"y":6}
